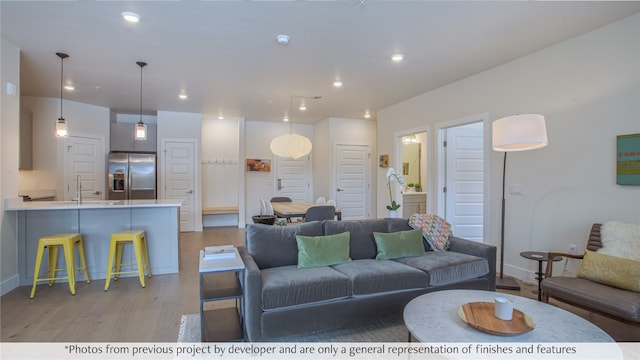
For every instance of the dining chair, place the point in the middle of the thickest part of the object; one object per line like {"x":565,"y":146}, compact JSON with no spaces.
{"x":321,"y":201}
{"x":281,"y":199}
{"x":331,"y":202}
{"x":321,"y":212}
{"x":268,"y":209}
{"x":263,"y":206}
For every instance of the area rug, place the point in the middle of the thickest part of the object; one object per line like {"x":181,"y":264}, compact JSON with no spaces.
{"x":389,"y":330}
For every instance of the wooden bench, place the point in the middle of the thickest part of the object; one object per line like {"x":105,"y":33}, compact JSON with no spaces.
{"x":220,"y":210}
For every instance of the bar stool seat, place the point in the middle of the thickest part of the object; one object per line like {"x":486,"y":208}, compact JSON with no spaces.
{"x":52,"y":243}
{"x":118,"y":240}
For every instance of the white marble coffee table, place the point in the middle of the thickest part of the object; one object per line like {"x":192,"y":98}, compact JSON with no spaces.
{"x":434,"y":317}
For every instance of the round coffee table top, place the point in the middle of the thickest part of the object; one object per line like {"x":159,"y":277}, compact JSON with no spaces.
{"x":433,"y":317}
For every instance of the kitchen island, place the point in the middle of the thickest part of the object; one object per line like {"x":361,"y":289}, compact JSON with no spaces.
{"x":96,"y":220}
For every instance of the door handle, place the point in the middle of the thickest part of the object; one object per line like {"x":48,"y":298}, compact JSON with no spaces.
{"x":338,"y":189}
{"x":279,"y":184}
{"x":96,"y":193}
{"x":190,"y":192}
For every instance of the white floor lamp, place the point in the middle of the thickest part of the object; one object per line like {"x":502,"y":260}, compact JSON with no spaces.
{"x":515,"y":133}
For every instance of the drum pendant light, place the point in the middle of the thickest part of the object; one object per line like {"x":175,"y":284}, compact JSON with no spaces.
{"x":61,"y":123}
{"x":140,"y":131}
{"x":292,"y":146}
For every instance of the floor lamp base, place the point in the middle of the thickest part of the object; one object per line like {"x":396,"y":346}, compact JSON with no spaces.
{"x":507,"y":283}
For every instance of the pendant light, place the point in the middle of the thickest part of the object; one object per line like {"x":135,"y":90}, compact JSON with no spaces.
{"x":140,"y":131}
{"x":61,"y":123}
{"x":292,"y":146}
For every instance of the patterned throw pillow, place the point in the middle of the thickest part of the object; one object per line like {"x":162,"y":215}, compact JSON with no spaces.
{"x":435,"y":230}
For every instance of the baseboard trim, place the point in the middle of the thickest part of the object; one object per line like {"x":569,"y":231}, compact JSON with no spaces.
{"x":9,"y":284}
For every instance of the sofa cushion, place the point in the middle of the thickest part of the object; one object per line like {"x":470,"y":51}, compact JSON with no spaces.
{"x":273,"y":246}
{"x":610,"y":270}
{"x":446,"y":267}
{"x":361,"y":245}
{"x":323,"y":250}
{"x":369,"y":276}
{"x":624,"y":304}
{"x":397,"y":224}
{"x":398,"y":244}
{"x":289,"y":286}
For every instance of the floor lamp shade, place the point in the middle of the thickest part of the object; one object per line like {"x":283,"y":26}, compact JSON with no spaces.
{"x":519,"y":133}
{"x":291,"y":146}
{"x":515,"y":133}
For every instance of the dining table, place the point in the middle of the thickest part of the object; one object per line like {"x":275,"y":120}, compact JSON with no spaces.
{"x":293,"y":209}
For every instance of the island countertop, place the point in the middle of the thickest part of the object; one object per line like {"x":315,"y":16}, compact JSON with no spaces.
{"x":96,"y":220}
{"x":16,"y":204}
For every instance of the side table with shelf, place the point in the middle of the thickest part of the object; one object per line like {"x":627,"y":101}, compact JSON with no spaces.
{"x":540,"y":257}
{"x":219,"y":280}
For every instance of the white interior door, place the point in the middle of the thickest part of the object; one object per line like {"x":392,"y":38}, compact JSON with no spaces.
{"x":179,"y":179}
{"x":292,"y":178}
{"x":353,"y":186}
{"x":464,"y":180}
{"x":84,"y":157}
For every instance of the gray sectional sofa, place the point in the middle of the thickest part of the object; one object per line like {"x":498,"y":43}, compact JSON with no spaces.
{"x":281,"y":299}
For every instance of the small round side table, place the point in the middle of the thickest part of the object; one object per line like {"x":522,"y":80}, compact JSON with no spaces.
{"x":540,"y":257}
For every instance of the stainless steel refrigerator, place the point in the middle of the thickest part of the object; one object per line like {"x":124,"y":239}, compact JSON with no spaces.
{"x":131,"y":176}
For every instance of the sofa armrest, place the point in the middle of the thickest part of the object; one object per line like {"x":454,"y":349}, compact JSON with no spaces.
{"x":252,"y":290}
{"x":477,"y":249}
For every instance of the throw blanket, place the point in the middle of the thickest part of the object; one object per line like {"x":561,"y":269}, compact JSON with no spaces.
{"x":435,"y":230}
{"x":620,"y":239}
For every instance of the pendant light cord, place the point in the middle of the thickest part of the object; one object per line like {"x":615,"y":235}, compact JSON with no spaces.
{"x":141,"y":64}
{"x":61,"y":82}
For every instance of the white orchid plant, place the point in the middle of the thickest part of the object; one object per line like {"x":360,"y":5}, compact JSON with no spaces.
{"x":399,"y":178}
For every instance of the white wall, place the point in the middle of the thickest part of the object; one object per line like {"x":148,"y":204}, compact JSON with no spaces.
{"x":48,"y":150}
{"x":9,"y":134}
{"x":588,"y":88}
{"x":182,"y":126}
{"x":257,"y":137}
{"x":329,"y":133}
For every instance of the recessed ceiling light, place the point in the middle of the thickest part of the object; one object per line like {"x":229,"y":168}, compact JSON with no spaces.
{"x":220,"y":117}
{"x":337,"y":83}
{"x":130,"y":16}
{"x":282,"y":39}
{"x":397,"y":57}
{"x":183,"y":96}
{"x":69,"y":87}
{"x":367,"y":114}
{"x":286,"y":117}
{"x":303,"y":107}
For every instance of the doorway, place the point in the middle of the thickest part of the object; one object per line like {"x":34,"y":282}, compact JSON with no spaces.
{"x":462,"y":177}
{"x":179,"y":174}
{"x":413,"y":166}
{"x":84,"y":158}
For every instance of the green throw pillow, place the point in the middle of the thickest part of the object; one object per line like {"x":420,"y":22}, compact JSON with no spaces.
{"x":323,"y":250}
{"x":399,"y":244}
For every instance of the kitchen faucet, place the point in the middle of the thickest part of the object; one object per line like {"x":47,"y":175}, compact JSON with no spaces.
{"x":79,"y":189}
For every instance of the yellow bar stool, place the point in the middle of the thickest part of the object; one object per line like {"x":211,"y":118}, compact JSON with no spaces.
{"x":118,"y":240}
{"x":52,"y":243}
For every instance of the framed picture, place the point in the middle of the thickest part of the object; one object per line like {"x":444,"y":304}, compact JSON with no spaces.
{"x":628,"y":159}
{"x":383,"y":161}
{"x":263,"y":165}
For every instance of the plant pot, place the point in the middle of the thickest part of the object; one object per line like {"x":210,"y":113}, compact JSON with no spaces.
{"x":393,"y":213}
{"x":264,"y":219}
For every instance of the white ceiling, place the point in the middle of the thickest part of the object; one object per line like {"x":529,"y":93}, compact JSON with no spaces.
{"x":225,"y":57}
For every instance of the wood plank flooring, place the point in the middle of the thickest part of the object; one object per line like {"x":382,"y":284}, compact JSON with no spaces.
{"x":129,"y":313}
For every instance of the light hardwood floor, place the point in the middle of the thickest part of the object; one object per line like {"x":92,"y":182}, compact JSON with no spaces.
{"x":129,"y":313}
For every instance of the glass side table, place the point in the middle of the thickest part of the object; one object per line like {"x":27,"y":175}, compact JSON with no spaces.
{"x":540,"y":257}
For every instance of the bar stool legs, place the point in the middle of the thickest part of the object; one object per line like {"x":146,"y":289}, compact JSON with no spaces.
{"x":52,"y":243}
{"x":139,"y":242}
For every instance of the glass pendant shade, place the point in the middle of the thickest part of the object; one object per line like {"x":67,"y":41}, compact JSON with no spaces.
{"x":519,"y":133}
{"x":141,"y":131}
{"x":291,"y":146}
{"x":61,"y":128}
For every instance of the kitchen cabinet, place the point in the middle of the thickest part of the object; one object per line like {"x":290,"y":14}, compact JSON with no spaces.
{"x":122,"y":139}
{"x":26,"y":141}
{"x":414,"y":203}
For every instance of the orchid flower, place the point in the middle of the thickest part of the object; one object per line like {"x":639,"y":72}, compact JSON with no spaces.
{"x":391,"y":175}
